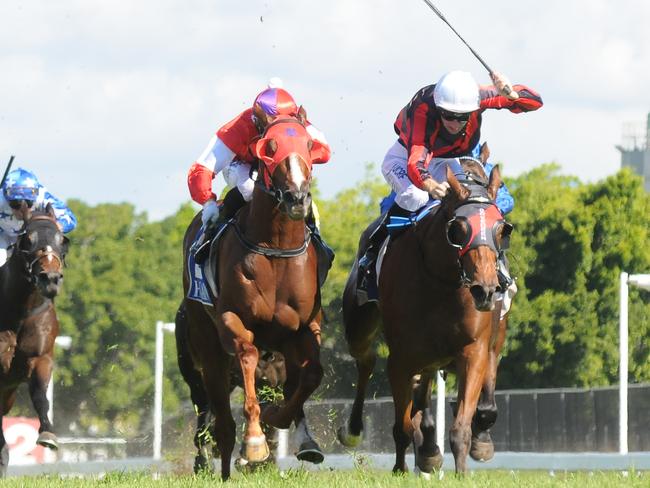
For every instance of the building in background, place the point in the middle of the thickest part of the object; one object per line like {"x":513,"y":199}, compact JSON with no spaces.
{"x":635,"y":150}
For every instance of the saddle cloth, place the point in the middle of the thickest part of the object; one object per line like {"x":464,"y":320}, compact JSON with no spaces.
{"x":199,"y":290}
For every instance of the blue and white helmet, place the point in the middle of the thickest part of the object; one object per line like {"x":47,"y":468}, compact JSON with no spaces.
{"x":21,"y":185}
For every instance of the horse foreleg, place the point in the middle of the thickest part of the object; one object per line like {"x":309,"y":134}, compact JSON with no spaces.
{"x":471,"y":365}
{"x":256,"y":450}
{"x":41,"y":375}
{"x":427,"y":453}
{"x":400,"y":383}
{"x":310,"y":374}
{"x":486,"y":411}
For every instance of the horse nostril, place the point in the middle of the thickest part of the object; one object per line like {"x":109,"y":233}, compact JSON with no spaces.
{"x":52,"y":278}
{"x":480,"y":293}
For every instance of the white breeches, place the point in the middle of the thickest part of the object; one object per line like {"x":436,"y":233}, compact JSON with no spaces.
{"x":4,"y":245}
{"x":237,"y":174}
{"x":409,"y":196}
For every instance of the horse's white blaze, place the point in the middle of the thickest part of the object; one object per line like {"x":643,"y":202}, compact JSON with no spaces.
{"x":302,"y":433}
{"x":295,"y":171}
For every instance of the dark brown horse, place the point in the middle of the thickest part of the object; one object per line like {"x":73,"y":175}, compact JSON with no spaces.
{"x":437,"y":299}
{"x":29,"y":281}
{"x":269,"y":296}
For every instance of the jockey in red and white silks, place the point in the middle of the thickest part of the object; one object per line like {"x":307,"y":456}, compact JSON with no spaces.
{"x":228,"y":150}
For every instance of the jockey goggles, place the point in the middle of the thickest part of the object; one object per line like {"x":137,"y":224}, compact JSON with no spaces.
{"x":16,"y":204}
{"x":453,"y":116}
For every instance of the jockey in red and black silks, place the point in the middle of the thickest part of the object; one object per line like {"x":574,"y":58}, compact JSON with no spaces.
{"x":420,"y":129}
{"x":441,"y":122}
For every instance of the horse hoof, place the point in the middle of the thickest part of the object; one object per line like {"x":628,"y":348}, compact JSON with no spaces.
{"x":427,"y":464}
{"x":310,"y":451}
{"x":422,"y":474}
{"x":202,"y":465}
{"x":49,"y":440}
{"x":481,"y":451}
{"x":256,"y":450}
{"x":347,"y":439}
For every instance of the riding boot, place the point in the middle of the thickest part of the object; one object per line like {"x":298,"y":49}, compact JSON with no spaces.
{"x":315,"y":234}
{"x":232,"y":202}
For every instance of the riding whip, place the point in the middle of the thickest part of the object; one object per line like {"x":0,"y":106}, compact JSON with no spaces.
{"x":507,"y":88}
{"x":4,"y":177}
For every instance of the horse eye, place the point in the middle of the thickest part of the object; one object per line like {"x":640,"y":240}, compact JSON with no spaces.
{"x":458,"y":233}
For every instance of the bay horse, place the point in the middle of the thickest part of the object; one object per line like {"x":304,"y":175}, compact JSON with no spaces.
{"x":29,"y":282}
{"x":269,"y":297}
{"x":437,"y":295}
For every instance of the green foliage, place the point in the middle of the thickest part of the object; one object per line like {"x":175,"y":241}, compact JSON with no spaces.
{"x":572,"y":241}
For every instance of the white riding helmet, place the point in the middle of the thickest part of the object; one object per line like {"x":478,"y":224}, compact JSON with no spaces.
{"x":457,"y":91}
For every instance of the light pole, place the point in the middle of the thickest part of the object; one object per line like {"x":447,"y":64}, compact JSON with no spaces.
{"x":161,"y":327}
{"x":641,"y":281}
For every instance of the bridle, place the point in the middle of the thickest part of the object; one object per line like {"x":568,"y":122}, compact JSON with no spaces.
{"x":481,"y":222}
{"x":280,"y":196}
{"x":30,"y":258}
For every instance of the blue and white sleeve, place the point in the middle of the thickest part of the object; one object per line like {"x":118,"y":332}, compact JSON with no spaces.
{"x":504,"y":201}
{"x":64,"y":215}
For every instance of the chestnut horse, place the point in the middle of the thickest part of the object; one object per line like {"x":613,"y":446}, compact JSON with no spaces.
{"x":29,"y":281}
{"x":437,"y":305}
{"x":269,"y":297}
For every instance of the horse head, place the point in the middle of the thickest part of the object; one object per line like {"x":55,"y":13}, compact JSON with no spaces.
{"x":476,"y":228}
{"x":42,"y":248}
{"x":286,"y":151}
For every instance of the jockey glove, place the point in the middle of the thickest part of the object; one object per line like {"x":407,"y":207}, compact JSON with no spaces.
{"x":210,"y":213}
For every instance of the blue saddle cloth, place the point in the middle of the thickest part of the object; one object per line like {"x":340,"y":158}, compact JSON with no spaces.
{"x":199,"y":290}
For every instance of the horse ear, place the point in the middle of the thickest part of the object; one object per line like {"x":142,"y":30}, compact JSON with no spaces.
{"x":265,"y":148}
{"x":65,"y":245}
{"x":484,"y":153}
{"x":495,"y":182}
{"x":458,"y":191}
{"x":302,"y":115}
{"x":49,"y":209}
{"x":320,"y":152}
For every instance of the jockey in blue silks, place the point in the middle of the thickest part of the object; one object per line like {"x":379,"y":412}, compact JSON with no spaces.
{"x":20,"y":186}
